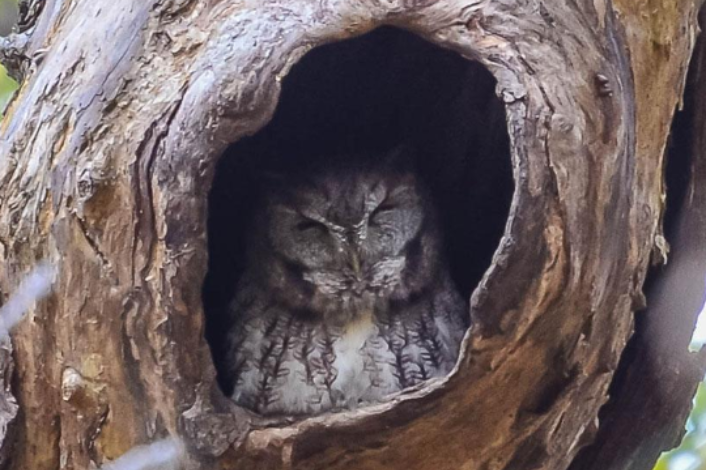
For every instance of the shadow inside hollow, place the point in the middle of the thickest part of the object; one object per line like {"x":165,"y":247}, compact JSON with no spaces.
{"x":362,"y":96}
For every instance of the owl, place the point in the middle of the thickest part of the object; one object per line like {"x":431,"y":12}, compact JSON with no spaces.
{"x":345,"y":297}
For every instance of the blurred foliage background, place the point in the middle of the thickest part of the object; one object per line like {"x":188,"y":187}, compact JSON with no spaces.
{"x":7,"y":86}
{"x":691,"y":455}
{"x":8,"y":18}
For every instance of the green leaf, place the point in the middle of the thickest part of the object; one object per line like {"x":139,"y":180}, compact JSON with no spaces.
{"x":7,"y":87}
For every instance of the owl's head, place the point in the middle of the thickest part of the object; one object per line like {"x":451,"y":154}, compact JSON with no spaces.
{"x":347,"y":237}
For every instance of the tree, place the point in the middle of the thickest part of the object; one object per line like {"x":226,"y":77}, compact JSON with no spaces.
{"x":123,"y":111}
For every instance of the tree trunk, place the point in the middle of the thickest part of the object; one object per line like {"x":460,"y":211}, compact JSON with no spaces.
{"x":110,"y":146}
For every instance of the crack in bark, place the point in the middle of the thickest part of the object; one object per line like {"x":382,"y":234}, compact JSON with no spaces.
{"x":93,"y":243}
{"x":100,"y":89}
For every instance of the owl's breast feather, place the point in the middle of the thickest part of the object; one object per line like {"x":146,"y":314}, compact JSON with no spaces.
{"x":350,"y":354}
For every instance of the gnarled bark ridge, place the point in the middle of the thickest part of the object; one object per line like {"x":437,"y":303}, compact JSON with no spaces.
{"x":109,"y":149}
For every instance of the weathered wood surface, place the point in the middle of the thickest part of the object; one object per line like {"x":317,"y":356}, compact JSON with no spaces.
{"x":107,"y":154}
{"x":658,"y":375}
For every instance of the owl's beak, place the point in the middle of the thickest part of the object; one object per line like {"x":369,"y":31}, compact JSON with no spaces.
{"x":355,"y":263}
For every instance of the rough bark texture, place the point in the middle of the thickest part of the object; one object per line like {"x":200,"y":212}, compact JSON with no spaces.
{"x":107,"y":155}
{"x":658,"y":376}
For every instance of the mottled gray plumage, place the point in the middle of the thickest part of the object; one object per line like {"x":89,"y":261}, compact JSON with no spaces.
{"x":345,"y":297}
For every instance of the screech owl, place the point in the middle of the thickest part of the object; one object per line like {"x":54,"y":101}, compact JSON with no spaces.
{"x":345,"y":297}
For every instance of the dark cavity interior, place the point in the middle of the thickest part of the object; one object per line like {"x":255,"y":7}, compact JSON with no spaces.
{"x":362,"y":96}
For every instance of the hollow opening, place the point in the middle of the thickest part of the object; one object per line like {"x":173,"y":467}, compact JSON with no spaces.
{"x":358,"y":99}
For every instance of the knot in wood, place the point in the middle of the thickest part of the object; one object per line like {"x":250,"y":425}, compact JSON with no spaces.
{"x":85,"y":185}
{"x":603,"y":85}
{"x":72,"y":384}
{"x":82,"y":394}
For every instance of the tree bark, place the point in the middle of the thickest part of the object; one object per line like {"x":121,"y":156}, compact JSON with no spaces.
{"x":658,"y":375}
{"x":110,"y":146}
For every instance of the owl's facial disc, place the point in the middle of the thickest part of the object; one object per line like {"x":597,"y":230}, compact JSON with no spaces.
{"x":358,"y":275}
{"x":348,"y":239}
